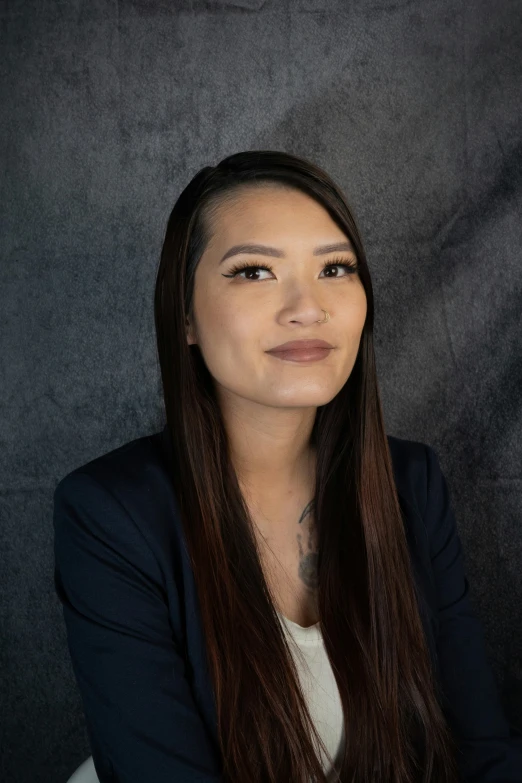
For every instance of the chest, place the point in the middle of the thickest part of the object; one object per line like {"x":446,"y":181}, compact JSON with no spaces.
{"x":287,"y":546}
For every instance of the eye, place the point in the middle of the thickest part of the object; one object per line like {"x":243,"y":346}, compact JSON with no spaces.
{"x":240,"y":268}
{"x":351,"y":268}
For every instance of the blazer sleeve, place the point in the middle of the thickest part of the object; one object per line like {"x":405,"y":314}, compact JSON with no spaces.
{"x":141,"y":718}
{"x":489,"y":752}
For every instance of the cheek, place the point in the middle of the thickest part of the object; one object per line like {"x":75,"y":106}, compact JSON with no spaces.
{"x":229,"y":326}
{"x":358,"y":308}
{"x":228,"y":339}
{"x":363,"y":310}
{"x":351,"y":313}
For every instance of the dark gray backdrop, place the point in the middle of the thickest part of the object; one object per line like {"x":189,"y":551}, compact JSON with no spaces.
{"x":108,"y":109}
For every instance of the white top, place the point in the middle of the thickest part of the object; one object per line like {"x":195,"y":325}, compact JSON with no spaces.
{"x":319,"y":689}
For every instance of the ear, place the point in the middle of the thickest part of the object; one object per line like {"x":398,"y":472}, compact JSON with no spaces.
{"x":189,"y":329}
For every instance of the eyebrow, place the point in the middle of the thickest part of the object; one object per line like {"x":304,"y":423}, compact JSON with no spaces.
{"x":264,"y":250}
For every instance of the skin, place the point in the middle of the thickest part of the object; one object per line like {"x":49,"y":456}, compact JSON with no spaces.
{"x":269,"y":405}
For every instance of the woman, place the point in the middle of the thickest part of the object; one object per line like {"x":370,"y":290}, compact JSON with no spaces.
{"x":271,"y":588}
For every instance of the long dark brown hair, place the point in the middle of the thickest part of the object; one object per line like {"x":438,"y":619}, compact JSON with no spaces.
{"x":369,"y":617}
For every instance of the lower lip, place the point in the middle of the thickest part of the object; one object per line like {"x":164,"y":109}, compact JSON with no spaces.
{"x":311,"y":355}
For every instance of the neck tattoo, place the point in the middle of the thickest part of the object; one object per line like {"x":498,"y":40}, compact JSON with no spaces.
{"x":308,"y":551}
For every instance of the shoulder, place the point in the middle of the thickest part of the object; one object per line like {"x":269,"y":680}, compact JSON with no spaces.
{"x":131,"y":481}
{"x":410,"y":462}
{"x":424,"y":496}
{"x":132,"y":469}
{"x":140,"y":468}
{"x":122,"y":467}
{"x":135,"y":476}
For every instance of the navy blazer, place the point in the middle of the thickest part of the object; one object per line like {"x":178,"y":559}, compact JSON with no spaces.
{"x":134,"y":632}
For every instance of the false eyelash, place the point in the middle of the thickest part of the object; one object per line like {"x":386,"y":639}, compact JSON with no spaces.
{"x":352,"y":266}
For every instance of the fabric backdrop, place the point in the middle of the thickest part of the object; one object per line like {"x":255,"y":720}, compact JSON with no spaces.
{"x":109,"y":107}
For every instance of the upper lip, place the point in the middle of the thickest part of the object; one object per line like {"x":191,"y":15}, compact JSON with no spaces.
{"x":301,"y":345}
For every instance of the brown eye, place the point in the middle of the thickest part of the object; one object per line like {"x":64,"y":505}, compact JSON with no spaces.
{"x":351,"y":266}
{"x":239,"y":268}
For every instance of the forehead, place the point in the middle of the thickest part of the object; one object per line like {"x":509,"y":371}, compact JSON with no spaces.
{"x":257,"y":202}
{"x":265,"y":211}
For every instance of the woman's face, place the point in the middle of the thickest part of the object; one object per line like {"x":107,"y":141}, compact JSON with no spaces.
{"x":238,"y":319}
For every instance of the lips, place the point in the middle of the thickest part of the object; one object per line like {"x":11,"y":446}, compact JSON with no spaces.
{"x":300,"y":346}
{"x":302,"y":351}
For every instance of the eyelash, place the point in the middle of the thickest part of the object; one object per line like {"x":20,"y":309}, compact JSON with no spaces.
{"x":352,"y":267}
